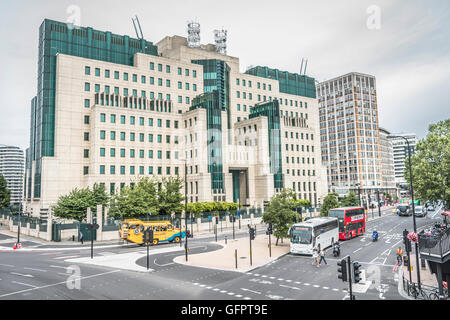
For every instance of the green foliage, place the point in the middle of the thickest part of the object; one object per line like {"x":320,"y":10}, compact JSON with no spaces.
{"x":75,"y":204}
{"x":351,"y":200}
{"x":170,"y":198}
{"x":431,"y":164}
{"x":138,"y":201}
{"x":214,"y":207}
{"x":5,"y":193}
{"x":329,"y":202}
{"x":280,"y":212}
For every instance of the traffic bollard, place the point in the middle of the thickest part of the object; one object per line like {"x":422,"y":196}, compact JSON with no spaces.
{"x":235,"y":256}
{"x":225,"y":239}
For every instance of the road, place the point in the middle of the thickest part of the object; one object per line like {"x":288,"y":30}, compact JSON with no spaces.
{"x":50,"y":274}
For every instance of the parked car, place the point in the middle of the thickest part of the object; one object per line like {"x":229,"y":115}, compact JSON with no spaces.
{"x":404,"y":210}
{"x":431,"y":208}
{"x":420,"y":211}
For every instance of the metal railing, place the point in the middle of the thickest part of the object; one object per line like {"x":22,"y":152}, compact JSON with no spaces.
{"x":424,"y":293}
{"x":435,"y":245}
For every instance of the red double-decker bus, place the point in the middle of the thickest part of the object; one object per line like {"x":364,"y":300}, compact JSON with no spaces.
{"x":352,"y":221}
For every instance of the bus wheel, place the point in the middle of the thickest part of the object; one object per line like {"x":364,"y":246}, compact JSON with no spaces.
{"x":177,"y":239}
{"x":155,"y":242}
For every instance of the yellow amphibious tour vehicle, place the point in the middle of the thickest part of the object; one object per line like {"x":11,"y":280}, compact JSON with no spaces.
{"x":163,"y":231}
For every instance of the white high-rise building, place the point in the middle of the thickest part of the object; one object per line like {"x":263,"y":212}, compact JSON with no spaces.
{"x":400,"y":149}
{"x":12,"y":168}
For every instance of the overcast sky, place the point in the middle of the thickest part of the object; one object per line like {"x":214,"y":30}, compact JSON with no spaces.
{"x":409,"y":53}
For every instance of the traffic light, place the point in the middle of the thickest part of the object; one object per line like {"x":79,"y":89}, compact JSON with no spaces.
{"x":342,"y":270}
{"x":147,"y":237}
{"x":252,"y":233}
{"x":269,"y":229}
{"x":356,"y":271}
{"x":217,"y":220}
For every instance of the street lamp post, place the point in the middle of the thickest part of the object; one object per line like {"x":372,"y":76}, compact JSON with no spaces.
{"x":18,"y":224}
{"x":185,"y":206}
{"x":413,"y":209}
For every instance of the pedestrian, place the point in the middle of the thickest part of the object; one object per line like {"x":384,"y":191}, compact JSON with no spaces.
{"x":81,"y":237}
{"x":322,"y":256}
{"x":315,"y":257}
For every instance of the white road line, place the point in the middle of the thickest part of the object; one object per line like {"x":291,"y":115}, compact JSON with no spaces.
{"x":58,"y":267}
{"x":50,"y":253}
{"x":57,"y":284}
{"x":6,"y":265}
{"x":24,"y":284}
{"x":23,"y":275}
{"x":357,"y":250}
{"x":290,"y":287}
{"x":163,"y":265}
{"x":35,"y":269}
{"x":244,"y":289}
{"x":66,"y":257}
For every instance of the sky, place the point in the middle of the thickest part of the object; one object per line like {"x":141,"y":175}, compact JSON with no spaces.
{"x":404,"y":44}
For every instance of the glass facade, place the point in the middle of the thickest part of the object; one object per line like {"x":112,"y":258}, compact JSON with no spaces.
{"x":272,"y":111}
{"x":57,"y":37}
{"x":210,"y":102}
{"x":290,"y":83}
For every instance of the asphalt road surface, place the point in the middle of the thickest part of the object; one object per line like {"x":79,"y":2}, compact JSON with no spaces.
{"x":46,"y":274}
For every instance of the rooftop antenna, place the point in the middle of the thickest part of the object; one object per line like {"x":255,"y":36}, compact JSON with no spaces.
{"x":306,"y":64}
{"x":139,"y":34}
{"x":193,"y":34}
{"x":220,"y":37}
{"x":301,"y":67}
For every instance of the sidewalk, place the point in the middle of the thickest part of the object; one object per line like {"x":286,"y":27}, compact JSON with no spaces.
{"x":224,"y":259}
{"x":426,"y":277}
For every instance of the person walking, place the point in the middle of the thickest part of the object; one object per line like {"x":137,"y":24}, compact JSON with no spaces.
{"x":81,"y":237}
{"x":315,"y":257}
{"x":322,"y":256}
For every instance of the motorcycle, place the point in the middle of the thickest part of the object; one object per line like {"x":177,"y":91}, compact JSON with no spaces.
{"x":375,"y":237}
{"x":336,"y":251}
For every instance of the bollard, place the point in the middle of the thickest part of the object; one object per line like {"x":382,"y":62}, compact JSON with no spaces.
{"x":225,"y":239}
{"x":235,"y":256}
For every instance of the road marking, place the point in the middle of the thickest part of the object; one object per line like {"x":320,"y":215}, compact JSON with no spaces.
{"x":326,"y":288}
{"x":163,"y":265}
{"x":386,"y":252}
{"x":66,"y":257}
{"x":230,"y":293}
{"x":24,"y":284}
{"x":238,"y":296}
{"x":58,"y":267}
{"x":35,"y":269}
{"x":290,"y":287}
{"x":307,"y":284}
{"x":50,"y":253}
{"x":357,"y":250}
{"x":244,"y":289}
{"x":56,"y":284}
{"x":23,"y":275}
{"x":6,"y":265}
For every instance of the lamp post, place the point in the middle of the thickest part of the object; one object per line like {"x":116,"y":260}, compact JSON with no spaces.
{"x":413,"y":209}
{"x":185,"y":209}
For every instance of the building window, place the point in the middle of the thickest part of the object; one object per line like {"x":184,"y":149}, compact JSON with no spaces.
{"x":86,"y":136}
{"x":113,"y":135}
{"x":85,"y":170}
{"x":86,"y":119}
{"x":168,"y":69}
{"x":102,"y":134}
{"x":116,"y":75}
{"x":87,"y":70}
{"x":97,"y":72}
{"x":186,"y":72}
{"x":125,"y":76}
{"x":102,"y":169}
{"x":86,"y":153}
{"x":152,"y":66}
{"x":87,"y":86}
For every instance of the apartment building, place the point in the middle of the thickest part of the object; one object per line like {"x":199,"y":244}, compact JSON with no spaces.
{"x":12,"y":162}
{"x":349,"y":134}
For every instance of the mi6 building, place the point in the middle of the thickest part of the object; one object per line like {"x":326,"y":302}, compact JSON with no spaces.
{"x":111,"y":109}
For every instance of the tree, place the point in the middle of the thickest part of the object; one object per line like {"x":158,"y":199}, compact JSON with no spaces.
{"x":329,"y":202}
{"x":350,"y":200}
{"x":431,"y":164}
{"x":170,"y":198}
{"x":5,"y":193}
{"x":74,"y":205}
{"x":280,"y":212}
{"x":138,"y":201}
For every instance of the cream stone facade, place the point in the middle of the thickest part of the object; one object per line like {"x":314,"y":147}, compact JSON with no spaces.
{"x":115,"y":123}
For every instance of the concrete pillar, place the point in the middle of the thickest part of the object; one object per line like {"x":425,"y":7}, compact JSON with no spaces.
{"x":99,"y":222}
{"x":88,"y":215}
{"x":251,"y":218}
{"x":199,"y":222}
{"x":106,"y":211}
{"x":28,"y":229}
{"x":227,"y":220}
{"x":49,"y":224}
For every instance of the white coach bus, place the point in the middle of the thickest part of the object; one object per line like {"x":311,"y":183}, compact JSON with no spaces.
{"x":313,"y":233}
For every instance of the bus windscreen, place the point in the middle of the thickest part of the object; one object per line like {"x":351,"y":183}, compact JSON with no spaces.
{"x":337,"y":214}
{"x":301,"y":235}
